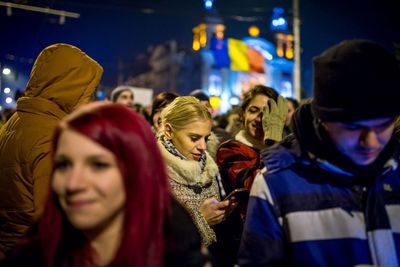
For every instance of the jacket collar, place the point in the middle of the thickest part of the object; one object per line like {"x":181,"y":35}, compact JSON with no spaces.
{"x":188,"y":171}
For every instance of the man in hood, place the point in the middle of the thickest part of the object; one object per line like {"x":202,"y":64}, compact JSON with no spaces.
{"x":330,"y":193}
{"x":62,"y":78}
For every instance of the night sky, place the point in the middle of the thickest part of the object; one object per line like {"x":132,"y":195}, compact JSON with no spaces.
{"x":121,"y":29}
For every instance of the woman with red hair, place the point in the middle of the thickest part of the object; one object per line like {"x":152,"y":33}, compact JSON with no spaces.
{"x":109,"y":203}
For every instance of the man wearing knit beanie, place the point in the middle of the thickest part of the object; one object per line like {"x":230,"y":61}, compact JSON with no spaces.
{"x":124,"y":95}
{"x":330,"y":193}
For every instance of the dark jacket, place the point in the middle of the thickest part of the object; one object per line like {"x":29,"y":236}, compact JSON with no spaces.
{"x":307,"y":211}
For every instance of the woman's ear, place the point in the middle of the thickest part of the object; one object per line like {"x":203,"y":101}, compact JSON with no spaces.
{"x":168,"y":131}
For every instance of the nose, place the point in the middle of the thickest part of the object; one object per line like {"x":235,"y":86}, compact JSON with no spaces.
{"x":202,"y":145}
{"x":75,"y":180}
{"x":369,"y":138}
{"x":259,"y":116}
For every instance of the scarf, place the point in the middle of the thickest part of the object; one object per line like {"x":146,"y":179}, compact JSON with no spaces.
{"x":171,"y":148}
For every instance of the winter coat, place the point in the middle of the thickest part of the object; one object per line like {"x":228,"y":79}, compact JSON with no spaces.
{"x":62,"y":78}
{"x":307,"y":211}
{"x":238,"y":160}
{"x":191,"y":187}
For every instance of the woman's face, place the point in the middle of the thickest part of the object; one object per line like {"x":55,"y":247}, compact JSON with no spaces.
{"x":191,"y":141}
{"x":253,"y":117}
{"x":88,"y":183}
{"x":157,"y":119}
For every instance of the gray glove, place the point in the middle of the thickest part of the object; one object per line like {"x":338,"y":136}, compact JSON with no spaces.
{"x":273,"y":120}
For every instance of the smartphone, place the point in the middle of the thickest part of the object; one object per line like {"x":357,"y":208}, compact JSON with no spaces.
{"x":240,"y":194}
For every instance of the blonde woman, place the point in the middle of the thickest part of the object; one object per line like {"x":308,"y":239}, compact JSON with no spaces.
{"x":193,"y":174}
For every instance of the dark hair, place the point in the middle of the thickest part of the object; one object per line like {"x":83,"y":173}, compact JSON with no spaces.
{"x":128,"y":136}
{"x":255,"y":91}
{"x":294,"y":102}
{"x":160,"y":102}
{"x":200,"y":95}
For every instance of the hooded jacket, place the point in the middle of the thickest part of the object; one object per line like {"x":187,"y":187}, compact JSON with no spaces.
{"x":62,"y":78}
{"x":315,"y":208}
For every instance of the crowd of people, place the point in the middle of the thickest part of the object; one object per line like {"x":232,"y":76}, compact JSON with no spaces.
{"x":107,"y":183}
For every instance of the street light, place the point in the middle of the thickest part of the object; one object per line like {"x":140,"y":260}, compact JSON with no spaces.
{"x":6,"y":71}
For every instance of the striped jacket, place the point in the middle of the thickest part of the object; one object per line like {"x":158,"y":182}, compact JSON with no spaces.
{"x":310,"y":213}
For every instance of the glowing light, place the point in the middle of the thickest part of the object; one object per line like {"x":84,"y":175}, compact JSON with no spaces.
{"x":234,"y":101}
{"x":208,"y":4}
{"x":203,"y":38}
{"x":6,"y":71}
{"x":7,"y":90}
{"x":215,"y":101}
{"x":254,"y":31}
{"x":278,"y":22}
{"x":8,"y":100}
{"x":220,"y":27}
{"x":196,"y":45}
{"x":196,"y":39}
{"x":219,"y":31}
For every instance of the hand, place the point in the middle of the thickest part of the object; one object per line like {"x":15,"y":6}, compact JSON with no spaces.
{"x":214,"y":211}
{"x":273,"y":120}
{"x":233,"y":203}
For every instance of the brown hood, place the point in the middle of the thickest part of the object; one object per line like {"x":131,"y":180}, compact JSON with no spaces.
{"x":65,"y":75}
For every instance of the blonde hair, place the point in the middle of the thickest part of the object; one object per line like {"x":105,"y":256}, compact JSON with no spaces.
{"x":182,"y":111}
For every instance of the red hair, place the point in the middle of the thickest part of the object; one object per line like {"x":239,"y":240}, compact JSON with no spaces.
{"x":129,"y":137}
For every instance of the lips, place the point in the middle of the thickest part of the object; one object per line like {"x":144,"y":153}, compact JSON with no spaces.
{"x":368,"y":155}
{"x":196,"y":156}
{"x":79,"y":203}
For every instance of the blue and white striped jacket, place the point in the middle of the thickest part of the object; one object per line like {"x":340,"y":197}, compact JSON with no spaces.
{"x":306,"y":214}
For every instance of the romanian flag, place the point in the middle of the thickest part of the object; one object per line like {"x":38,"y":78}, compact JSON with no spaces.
{"x":237,"y":51}
{"x":220,"y":51}
{"x":256,"y":60}
{"x":236,"y":55}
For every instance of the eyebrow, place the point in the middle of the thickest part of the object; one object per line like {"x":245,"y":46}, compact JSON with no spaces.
{"x":198,"y":135}
{"x":253,"y":106}
{"x":90,"y":157}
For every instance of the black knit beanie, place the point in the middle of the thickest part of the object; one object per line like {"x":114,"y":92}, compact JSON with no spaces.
{"x":356,"y":80}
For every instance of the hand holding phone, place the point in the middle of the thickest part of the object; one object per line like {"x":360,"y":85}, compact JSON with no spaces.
{"x":239,"y":194}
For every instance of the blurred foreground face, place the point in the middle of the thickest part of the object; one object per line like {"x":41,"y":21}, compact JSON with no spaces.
{"x":88,"y":183}
{"x":191,"y":141}
{"x":289,"y":115}
{"x":157,"y":119}
{"x":253,"y":117}
{"x":125,"y":98}
{"x":361,"y":141}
